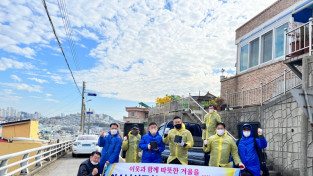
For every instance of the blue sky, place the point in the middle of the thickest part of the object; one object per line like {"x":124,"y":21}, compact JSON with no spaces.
{"x":127,"y":51}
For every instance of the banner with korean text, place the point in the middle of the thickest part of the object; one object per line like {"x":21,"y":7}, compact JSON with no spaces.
{"x":152,"y":169}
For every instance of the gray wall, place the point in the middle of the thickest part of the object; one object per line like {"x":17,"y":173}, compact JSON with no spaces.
{"x":281,"y":121}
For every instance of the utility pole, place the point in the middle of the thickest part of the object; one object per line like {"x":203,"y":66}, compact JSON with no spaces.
{"x":82,"y":118}
{"x":89,"y":122}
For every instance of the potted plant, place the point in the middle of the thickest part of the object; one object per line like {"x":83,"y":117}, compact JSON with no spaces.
{"x":219,"y":102}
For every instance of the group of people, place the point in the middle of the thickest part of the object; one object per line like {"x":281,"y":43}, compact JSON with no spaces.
{"x":148,"y":148}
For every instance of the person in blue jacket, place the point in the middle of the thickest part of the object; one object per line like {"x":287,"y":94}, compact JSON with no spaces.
{"x":149,"y":154}
{"x":111,"y":144}
{"x":247,"y":149}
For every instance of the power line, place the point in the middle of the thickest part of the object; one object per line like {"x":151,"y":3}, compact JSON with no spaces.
{"x":68,"y":32}
{"x":56,"y":36}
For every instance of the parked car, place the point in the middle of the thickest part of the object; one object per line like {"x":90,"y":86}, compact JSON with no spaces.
{"x":85,"y":144}
{"x":196,"y":153}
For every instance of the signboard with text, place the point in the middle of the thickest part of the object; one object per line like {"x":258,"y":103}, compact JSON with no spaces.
{"x":152,"y":169}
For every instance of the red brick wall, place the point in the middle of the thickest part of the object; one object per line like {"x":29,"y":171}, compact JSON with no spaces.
{"x":265,"y":15}
{"x":252,"y":79}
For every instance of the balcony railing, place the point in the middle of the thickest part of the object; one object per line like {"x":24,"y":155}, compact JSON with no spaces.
{"x":265,"y":92}
{"x":299,"y":40}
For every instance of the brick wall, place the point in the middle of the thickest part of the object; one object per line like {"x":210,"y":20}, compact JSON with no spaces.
{"x":252,"y":79}
{"x":265,"y":15}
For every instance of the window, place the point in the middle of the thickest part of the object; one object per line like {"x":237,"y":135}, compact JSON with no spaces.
{"x":132,"y":114}
{"x":280,"y":41}
{"x":267,"y":46}
{"x":254,"y":53}
{"x":244,"y":58}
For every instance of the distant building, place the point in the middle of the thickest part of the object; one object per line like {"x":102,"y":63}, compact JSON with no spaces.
{"x":136,"y":115}
{"x":23,"y":128}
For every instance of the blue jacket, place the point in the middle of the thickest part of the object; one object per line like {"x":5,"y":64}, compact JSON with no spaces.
{"x":151,"y":156}
{"x":111,"y":149}
{"x":248,"y":153}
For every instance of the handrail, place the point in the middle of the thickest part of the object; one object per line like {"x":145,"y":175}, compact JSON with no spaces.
{"x":265,"y":92}
{"x":207,"y":113}
{"x":42,"y":154}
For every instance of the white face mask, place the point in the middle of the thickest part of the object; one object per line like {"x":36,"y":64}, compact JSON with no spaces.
{"x":94,"y":163}
{"x":220,"y":132}
{"x":153,"y":132}
{"x":211,"y":111}
{"x":246,"y":133}
{"x":113,"y":132}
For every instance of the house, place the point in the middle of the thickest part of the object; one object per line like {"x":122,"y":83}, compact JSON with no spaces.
{"x":270,"y":49}
{"x":136,"y":115}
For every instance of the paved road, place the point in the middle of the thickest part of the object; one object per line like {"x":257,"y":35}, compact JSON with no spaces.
{"x":65,"y":166}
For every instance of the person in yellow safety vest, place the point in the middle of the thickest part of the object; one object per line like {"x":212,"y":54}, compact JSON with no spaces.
{"x":178,"y":149}
{"x":209,"y":124}
{"x":131,"y":145}
{"x":221,"y":146}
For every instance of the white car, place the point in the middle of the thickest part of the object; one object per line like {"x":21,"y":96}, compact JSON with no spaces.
{"x":85,"y":144}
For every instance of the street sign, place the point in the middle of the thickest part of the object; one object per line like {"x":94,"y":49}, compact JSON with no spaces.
{"x":92,"y":94}
{"x":89,"y":112}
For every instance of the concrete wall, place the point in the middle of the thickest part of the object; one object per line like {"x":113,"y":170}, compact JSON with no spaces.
{"x":160,"y":119}
{"x":281,"y":120}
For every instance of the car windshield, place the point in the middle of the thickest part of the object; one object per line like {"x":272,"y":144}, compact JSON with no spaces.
{"x":87,"y":138}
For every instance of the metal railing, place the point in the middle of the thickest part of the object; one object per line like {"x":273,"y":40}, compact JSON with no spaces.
{"x":299,"y":40}
{"x":184,"y":104}
{"x":265,"y":92}
{"x":42,"y":153}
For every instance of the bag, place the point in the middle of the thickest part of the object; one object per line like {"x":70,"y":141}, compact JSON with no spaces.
{"x":262,"y":157}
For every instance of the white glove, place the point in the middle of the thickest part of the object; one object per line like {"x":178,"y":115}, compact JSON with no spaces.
{"x":205,"y":142}
{"x":260,"y":131}
{"x":166,"y":130}
{"x":181,"y":144}
{"x":125,"y":138}
{"x":242,"y":166}
{"x":149,"y":146}
{"x":139,"y":154}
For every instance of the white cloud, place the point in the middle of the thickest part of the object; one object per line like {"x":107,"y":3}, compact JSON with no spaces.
{"x":41,"y":81}
{"x":7,"y":95}
{"x":23,"y":86}
{"x":52,"y":100}
{"x":16,"y":78}
{"x":57,"y":79}
{"x":149,"y":51}
{"x":48,"y":95}
{"x":142,"y":49}
{"x":6,"y":63}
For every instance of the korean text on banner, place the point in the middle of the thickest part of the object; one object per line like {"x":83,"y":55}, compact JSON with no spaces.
{"x":147,"y":169}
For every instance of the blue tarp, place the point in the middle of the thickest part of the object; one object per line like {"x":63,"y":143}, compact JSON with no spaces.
{"x":303,"y":16}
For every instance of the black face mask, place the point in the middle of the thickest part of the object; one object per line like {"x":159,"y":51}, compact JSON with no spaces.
{"x":134,"y":133}
{"x":178,"y":126}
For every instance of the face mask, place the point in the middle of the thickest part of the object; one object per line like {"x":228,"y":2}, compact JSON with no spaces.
{"x":178,"y":126}
{"x":94,"y":163}
{"x":153,"y":132}
{"x":220,"y":132}
{"x":134,"y":133}
{"x":211,"y":111}
{"x":246,"y":133}
{"x":113,"y":132}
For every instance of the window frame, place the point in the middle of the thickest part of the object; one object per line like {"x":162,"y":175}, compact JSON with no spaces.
{"x":260,"y":36}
